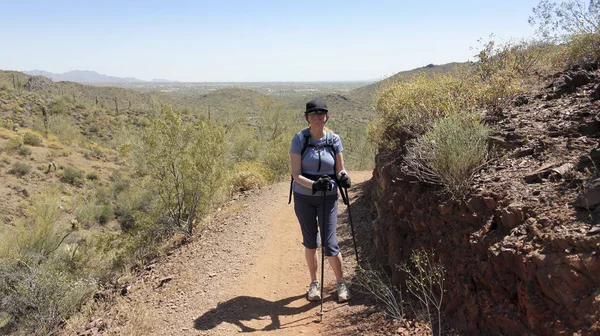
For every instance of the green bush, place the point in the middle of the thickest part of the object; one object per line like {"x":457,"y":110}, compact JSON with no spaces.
{"x":32,"y":139}
{"x":20,"y":169}
{"x":412,"y":105}
{"x":450,"y":153}
{"x":13,"y":144}
{"x":581,"y":49}
{"x":72,"y":176}
{"x":37,"y":287}
{"x":39,"y":297}
{"x":249,"y":175}
{"x":183,"y":163}
{"x":24,"y":151}
{"x":92,"y":175}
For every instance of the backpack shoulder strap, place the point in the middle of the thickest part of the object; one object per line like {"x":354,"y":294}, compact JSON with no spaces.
{"x":306,"y":134}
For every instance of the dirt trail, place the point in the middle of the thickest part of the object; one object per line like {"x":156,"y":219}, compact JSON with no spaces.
{"x":246,"y":273}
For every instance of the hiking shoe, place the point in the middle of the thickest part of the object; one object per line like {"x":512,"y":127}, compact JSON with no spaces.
{"x":314,"y":291}
{"x":343,"y":291}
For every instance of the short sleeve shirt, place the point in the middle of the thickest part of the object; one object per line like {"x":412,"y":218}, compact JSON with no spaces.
{"x":312,"y":156}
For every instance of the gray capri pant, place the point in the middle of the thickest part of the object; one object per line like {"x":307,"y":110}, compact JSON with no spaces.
{"x":307,"y":209}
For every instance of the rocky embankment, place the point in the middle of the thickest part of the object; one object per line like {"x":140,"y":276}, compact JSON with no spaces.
{"x":522,"y":252}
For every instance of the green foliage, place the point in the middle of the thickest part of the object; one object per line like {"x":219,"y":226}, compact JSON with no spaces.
{"x":20,"y":168}
{"x":72,"y":176}
{"x":37,"y":289}
{"x":13,"y":144}
{"x":557,"y":21}
{"x":130,"y":202}
{"x":575,"y":24}
{"x":39,"y":297}
{"x":414,"y":104}
{"x":249,"y":175}
{"x":379,"y":285}
{"x":92,"y":175}
{"x":24,"y":151}
{"x":581,"y":49}
{"x":425,"y":281}
{"x":32,"y":139}
{"x":450,"y":153}
{"x":184,"y":167}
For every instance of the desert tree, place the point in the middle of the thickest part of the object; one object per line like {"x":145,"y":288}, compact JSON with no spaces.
{"x":182,"y":164}
{"x":558,"y":20}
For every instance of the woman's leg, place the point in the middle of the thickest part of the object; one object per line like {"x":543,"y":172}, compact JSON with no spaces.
{"x":311,"y":262}
{"x":336,"y":264}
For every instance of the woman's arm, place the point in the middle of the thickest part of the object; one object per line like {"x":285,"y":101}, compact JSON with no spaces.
{"x":296,"y":161}
{"x":339,"y":164}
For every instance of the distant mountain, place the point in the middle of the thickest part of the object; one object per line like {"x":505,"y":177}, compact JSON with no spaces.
{"x":82,"y":76}
{"x":160,"y":80}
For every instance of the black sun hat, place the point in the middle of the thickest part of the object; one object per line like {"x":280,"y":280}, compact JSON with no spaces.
{"x":315,"y":105}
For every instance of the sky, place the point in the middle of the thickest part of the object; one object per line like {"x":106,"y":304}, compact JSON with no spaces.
{"x":252,"y":41}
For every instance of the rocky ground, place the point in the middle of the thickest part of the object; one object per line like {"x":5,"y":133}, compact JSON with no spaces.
{"x":521,"y":252}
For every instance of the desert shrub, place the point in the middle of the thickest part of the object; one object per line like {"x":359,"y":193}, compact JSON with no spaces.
{"x":450,"y":153}
{"x":425,"y":282}
{"x":20,"y":169}
{"x":128,"y":202}
{"x":72,"y":176}
{"x":379,"y":285}
{"x":58,"y":106}
{"x":24,"y":151}
{"x":92,"y":175}
{"x":32,"y":139}
{"x":575,"y":24}
{"x":183,"y":164}
{"x":558,"y":21}
{"x":275,"y":155}
{"x":412,"y":105}
{"x":63,"y":127}
{"x":249,"y":175}
{"x":581,"y":49}
{"x":39,"y":297}
{"x":37,"y":288}
{"x":13,"y":144}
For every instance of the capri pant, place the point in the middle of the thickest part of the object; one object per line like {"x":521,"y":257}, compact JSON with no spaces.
{"x":307,"y":209}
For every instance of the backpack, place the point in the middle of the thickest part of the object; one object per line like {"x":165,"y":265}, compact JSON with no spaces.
{"x":328,"y":144}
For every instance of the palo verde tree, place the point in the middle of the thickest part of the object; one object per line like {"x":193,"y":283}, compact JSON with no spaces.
{"x":182,"y":164}
{"x":558,"y":21}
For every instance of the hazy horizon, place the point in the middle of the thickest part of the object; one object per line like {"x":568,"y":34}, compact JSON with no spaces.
{"x":261,"y":41}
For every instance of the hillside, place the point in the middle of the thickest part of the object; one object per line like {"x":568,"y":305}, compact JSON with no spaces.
{"x":366,"y":93}
{"x":521,"y":252}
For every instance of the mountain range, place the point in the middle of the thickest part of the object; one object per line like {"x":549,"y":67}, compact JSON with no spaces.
{"x":88,"y":77}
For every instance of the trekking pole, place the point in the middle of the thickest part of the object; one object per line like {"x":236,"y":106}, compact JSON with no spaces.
{"x":351,"y":225}
{"x":322,"y":222}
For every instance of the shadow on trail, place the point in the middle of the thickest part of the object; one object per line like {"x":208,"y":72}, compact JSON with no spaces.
{"x":247,"y":308}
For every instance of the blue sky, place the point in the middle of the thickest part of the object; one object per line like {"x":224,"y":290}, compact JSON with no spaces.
{"x":251,"y":40}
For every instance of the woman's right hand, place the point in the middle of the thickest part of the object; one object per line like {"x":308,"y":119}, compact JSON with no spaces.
{"x":322,"y":184}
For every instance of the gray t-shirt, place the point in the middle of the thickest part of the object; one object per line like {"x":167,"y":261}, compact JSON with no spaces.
{"x":310,"y":160}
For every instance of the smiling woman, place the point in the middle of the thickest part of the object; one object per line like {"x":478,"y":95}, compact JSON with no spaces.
{"x":317,"y":170}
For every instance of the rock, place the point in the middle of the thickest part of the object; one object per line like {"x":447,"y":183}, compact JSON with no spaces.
{"x":595,"y":95}
{"x":163,"y":281}
{"x":590,"y":197}
{"x":540,"y":173}
{"x":38,"y":83}
{"x":512,"y":216}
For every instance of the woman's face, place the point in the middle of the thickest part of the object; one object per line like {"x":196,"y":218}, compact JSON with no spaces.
{"x":318,"y":118}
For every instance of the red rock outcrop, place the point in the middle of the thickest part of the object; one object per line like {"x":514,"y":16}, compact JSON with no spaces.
{"x":522,"y":252}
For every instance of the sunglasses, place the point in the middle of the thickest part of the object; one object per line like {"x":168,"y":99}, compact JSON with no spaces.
{"x":316,"y":113}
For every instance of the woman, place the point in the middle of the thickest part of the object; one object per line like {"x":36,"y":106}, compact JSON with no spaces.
{"x":317,"y":165}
